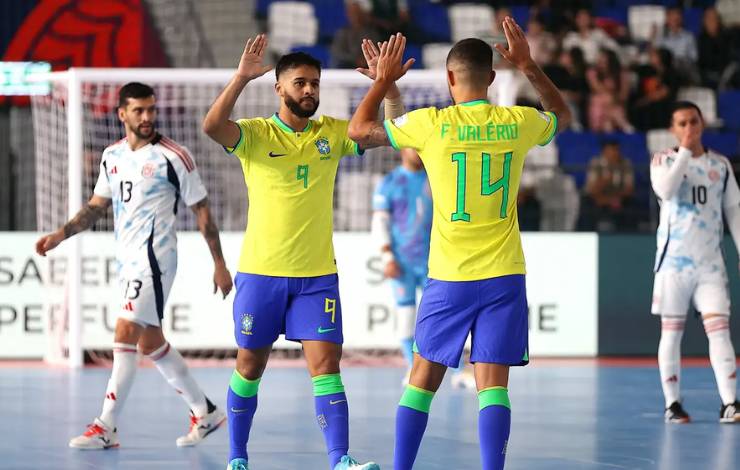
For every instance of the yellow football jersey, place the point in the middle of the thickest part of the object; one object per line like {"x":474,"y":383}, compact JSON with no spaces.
{"x":290,"y":180}
{"x":473,"y":154}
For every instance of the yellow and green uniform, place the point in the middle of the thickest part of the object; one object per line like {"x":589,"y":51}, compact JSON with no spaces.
{"x":290,"y":179}
{"x":473,"y":153}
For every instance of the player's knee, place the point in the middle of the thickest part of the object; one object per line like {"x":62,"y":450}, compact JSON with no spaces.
{"x":250,"y":365}
{"x":127,"y":331}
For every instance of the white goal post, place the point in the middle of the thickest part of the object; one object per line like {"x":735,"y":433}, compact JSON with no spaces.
{"x":76,"y":121}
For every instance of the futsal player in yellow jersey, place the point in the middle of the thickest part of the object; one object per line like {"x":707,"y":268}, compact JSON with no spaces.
{"x":473,"y":153}
{"x":287,"y":281}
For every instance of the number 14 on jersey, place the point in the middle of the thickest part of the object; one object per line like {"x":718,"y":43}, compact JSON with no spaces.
{"x":486,"y":186}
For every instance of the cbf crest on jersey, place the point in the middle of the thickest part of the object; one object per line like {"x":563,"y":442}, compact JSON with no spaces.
{"x":322,"y":145}
{"x":247,"y":323}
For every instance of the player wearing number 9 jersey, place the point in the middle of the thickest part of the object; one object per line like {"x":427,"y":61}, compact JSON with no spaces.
{"x":287,"y":281}
{"x":473,"y":153}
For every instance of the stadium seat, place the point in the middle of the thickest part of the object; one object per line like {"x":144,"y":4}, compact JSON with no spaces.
{"x":291,"y":24}
{"x":706,"y":99}
{"x":576,"y":150}
{"x":470,"y":20}
{"x":332,"y":17}
{"x":618,"y":14}
{"x":520,"y":13}
{"x":642,"y":19}
{"x":435,"y":55}
{"x":725,"y":143}
{"x":318,"y":51}
{"x":729,"y":109}
{"x":262,"y":8}
{"x":692,"y":18}
{"x":414,"y":51}
{"x":659,"y":140}
{"x":633,"y":146}
{"x":431,"y":19}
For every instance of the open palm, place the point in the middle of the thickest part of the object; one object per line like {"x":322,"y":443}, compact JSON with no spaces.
{"x":251,"y":64}
{"x":371,"y":53}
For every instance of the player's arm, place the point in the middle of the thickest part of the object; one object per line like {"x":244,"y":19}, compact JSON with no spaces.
{"x":666,"y":177}
{"x":380,"y":232}
{"x":518,"y":55}
{"x":90,"y":213}
{"x":217,"y":124}
{"x":364,"y":127}
{"x":208,"y":228}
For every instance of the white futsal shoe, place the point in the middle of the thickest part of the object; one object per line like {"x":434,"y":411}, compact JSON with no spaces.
{"x":97,"y":436}
{"x":730,"y":413}
{"x":201,"y":427}
{"x":463,"y":380}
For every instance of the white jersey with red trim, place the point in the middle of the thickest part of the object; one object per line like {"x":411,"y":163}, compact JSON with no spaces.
{"x":146,"y":186}
{"x":691,"y":221}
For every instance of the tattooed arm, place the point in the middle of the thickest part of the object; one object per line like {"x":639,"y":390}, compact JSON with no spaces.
{"x":93,"y":210}
{"x":209,"y":229}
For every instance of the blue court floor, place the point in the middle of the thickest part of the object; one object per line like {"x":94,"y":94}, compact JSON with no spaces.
{"x":564,"y":417}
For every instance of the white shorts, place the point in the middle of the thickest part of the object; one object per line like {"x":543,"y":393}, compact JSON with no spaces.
{"x":673,"y":292}
{"x":143,"y":298}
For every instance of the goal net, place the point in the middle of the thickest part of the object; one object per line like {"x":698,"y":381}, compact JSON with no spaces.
{"x":77,"y":120}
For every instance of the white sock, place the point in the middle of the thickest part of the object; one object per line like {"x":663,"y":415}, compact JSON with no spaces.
{"x":669,"y":358}
{"x":119,"y":384}
{"x":172,"y":366}
{"x":722,"y":357}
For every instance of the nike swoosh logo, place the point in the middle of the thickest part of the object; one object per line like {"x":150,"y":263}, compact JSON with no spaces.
{"x":332,"y":402}
{"x":325,"y":330}
{"x":273,"y":155}
{"x":238,"y":411}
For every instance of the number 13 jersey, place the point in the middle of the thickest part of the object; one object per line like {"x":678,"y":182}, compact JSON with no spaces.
{"x":145,"y":187}
{"x":473,"y":153}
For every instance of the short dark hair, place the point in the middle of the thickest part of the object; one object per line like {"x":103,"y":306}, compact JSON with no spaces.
{"x":134,"y":90}
{"x":296,"y":59}
{"x":609,"y":142}
{"x":475,"y":55}
{"x":679,"y":105}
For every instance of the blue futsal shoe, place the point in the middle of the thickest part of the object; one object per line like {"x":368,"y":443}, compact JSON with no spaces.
{"x":238,"y":464}
{"x":348,"y":463}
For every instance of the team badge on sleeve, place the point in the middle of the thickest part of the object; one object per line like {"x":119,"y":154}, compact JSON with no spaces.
{"x":322,"y":145}
{"x":247,"y":323}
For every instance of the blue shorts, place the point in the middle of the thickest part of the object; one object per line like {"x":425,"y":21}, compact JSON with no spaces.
{"x":302,"y":308}
{"x":404,"y":287}
{"x":494,"y":311}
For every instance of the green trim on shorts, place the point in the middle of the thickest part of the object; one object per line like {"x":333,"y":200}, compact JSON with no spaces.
{"x":245,"y":388}
{"x":328,"y":384}
{"x":417,"y":399}
{"x":494,"y":396}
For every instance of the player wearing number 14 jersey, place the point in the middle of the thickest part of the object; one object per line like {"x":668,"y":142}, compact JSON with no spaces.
{"x":473,"y":153}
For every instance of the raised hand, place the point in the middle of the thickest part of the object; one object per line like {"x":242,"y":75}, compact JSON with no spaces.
{"x":389,"y":61}
{"x":250,"y":65}
{"x":371,"y":53}
{"x":517,"y":53}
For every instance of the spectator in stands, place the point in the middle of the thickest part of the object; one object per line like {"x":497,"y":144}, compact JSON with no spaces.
{"x":656,"y":91}
{"x":346,"y":47}
{"x":495,"y":35}
{"x":569,"y":75}
{"x":542,"y":44}
{"x":587,"y":37}
{"x":680,"y":42}
{"x":610,"y":87}
{"x":716,"y":64}
{"x":610,"y":185}
{"x":389,"y":17}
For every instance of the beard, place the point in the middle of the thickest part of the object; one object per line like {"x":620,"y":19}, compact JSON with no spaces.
{"x":296,"y":107}
{"x":144,"y":131}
